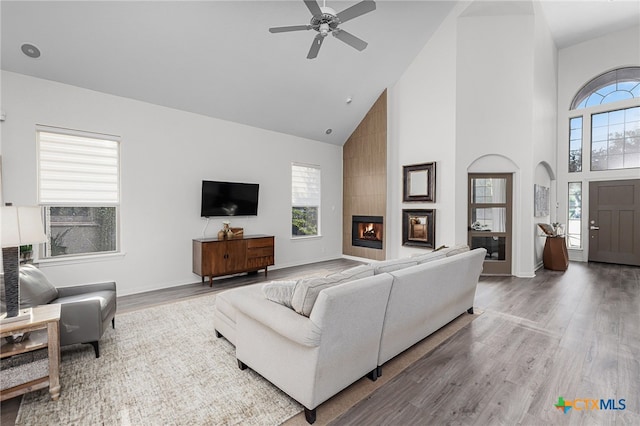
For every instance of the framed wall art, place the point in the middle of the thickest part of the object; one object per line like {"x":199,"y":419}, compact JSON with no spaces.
{"x":541,"y":201}
{"x":419,"y":182}
{"x":419,"y":228}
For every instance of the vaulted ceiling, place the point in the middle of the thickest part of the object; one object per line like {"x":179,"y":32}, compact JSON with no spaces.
{"x":217,"y":58}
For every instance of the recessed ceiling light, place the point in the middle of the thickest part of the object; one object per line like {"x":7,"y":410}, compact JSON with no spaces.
{"x":30,"y":50}
{"x":328,"y":131}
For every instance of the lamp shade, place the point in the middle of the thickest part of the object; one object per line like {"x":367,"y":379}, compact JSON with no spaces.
{"x":21,"y":226}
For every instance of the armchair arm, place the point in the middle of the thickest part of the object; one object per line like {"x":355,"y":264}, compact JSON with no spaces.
{"x":80,"y":322}
{"x":86,"y":288}
{"x":280,"y":319}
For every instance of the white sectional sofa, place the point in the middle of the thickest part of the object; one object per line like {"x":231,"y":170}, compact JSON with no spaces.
{"x":349,"y":324}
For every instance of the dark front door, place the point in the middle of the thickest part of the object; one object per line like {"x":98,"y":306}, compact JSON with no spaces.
{"x":614,"y":222}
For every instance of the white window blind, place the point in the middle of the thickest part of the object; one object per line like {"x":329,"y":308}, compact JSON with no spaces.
{"x":77,"y":169}
{"x":305,"y":185}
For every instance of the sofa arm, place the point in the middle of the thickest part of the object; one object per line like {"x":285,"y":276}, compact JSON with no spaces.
{"x":280,"y":319}
{"x":86,"y":288}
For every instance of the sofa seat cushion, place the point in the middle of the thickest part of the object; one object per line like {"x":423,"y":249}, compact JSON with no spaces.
{"x":106,"y":298}
{"x":226,"y":300}
{"x":35,"y":288}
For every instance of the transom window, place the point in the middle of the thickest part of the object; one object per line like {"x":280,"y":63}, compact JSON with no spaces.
{"x":612,"y":86}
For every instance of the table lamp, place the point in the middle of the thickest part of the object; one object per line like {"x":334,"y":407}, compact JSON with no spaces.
{"x":20,"y":226}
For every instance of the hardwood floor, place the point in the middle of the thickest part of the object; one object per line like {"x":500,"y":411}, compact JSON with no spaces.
{"x":574,"y":334}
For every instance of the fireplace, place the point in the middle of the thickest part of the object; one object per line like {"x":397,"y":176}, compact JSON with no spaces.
{"x":367,"y":231}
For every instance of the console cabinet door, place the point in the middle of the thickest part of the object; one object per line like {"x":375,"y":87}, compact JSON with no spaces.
{"x":236,"y":258}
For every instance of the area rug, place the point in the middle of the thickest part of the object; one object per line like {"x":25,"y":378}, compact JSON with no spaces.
{"x":161,"y":366}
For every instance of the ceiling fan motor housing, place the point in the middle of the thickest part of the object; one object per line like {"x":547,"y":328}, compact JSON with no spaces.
{"x":327,"y":17}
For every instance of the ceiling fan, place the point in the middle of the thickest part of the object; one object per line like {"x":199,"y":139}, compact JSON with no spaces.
{"x":325,"y":20}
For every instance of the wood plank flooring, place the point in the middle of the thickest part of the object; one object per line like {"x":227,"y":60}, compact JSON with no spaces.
{"x":574,"y":334}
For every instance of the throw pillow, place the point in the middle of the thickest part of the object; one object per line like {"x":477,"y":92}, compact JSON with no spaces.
{"x":306,"y":292}
{"x":35,"y":288}
{"x":393,"y":265}
{"x":434,"y":255}
{"x":280,"y":291}
{"x":352,"y":274}
{"x":457,"y":250}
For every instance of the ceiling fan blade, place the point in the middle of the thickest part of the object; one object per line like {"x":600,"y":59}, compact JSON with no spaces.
{"x":289,"y":28}
{"x":315,"y":46}
{"x":356,"y":10}
{"x":350,"y":39}
{"x":313,"y":7}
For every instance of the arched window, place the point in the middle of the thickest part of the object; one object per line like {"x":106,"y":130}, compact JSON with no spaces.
{"x":612,"y":86}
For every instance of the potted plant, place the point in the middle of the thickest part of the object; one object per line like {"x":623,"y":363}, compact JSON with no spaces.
{"x":26,"y":253}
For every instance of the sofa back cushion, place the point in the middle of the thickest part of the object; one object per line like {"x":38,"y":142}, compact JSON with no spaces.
{"x":35,"y":288}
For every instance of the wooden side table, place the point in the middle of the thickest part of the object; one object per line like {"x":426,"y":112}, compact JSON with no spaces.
{"x":555,"y":255}
{"x":44,"y":327}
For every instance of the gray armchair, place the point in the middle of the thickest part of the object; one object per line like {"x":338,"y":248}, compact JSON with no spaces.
{"x":85,"y":310}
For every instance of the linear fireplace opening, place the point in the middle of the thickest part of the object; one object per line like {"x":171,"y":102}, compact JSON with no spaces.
{"x":367,"y":231}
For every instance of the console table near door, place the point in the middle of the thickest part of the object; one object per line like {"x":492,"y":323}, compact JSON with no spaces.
{"x":555,"y":256}
{"x":213,"y":257}
{"x":28,"y":373}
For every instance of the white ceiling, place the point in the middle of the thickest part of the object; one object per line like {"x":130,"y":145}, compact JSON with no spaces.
{"x":218,"y":59}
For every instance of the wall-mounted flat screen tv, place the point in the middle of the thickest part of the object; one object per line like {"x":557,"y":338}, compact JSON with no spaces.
{"x":229,"y":199}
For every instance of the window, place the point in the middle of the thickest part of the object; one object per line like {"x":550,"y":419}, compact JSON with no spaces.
{"x":305,"y":200}
{"x":612,"y":86}
{"x":79,"y":189}
{"x":614,"y":130}
{"x":615,"y":139}
{"x":574,"y":228}
{"x":575,"y":144}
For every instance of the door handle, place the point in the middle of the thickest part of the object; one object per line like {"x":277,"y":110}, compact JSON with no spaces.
{"x":594,"y":228}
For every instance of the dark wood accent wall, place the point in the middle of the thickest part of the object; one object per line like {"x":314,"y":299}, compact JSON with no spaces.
{"x":364,"y":158}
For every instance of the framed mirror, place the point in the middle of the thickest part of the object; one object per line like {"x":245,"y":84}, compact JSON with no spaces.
{"x":418,"y":228}
{"x":419,"y":182}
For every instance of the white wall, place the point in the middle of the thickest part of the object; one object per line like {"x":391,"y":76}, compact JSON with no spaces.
{"x":165,"y":154}
{"x":422,"y":128}
{"x":577,"y":65}
{"x":480,"y":95}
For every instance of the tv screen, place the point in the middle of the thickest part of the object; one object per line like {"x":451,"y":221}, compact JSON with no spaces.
{"x":229,"y":199}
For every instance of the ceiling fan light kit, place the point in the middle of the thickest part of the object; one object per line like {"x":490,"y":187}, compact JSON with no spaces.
{"x":325,"y":20}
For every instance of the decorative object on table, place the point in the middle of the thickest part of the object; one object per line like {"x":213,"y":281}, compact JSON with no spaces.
{"x":26,"y":253}
{"x":549,"y":230}
{"x":20,"y":226}
{"x":237,"y":232}
{"x":541,"y":201}
{"x":418,"y":228}
{"x":226,"y":231}
{"x":419,"y":182}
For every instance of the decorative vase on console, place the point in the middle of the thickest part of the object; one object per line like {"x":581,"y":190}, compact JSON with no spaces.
{"x":226,"y":231}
